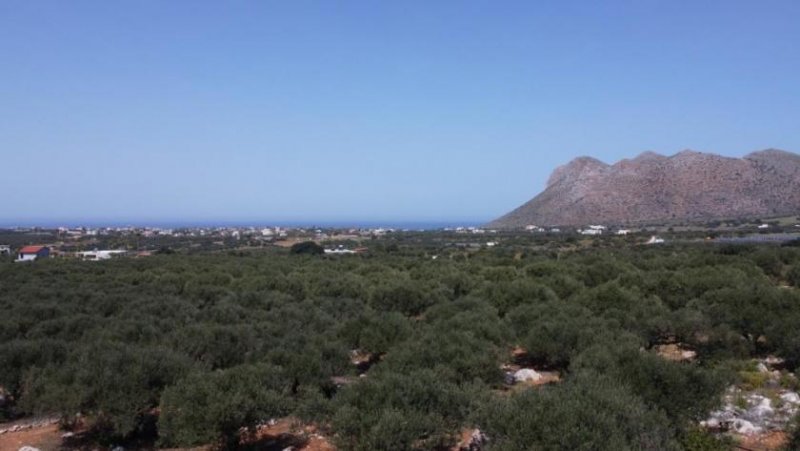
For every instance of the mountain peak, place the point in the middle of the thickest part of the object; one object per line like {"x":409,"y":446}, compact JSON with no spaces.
{"x":773,"y":153}
{"x":688,"y":153}
{"x":652,"y":188}
{"x":588,"y":160}
{"x":575,"y":169}
{"x":648,"y":155}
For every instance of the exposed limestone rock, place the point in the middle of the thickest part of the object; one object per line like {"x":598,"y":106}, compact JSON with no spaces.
{"x":653,"y":188}
{"x":527,"y":374}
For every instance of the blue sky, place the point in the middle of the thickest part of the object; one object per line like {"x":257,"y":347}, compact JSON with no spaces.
{"x":369,"y":111}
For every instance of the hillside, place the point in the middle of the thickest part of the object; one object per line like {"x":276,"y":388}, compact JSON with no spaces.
{"x":654,"y":188}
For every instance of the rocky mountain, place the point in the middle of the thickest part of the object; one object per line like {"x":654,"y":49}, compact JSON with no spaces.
{"x":654,"y":188}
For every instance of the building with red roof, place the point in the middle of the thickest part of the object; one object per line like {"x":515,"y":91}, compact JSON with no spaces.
{"x":31,"y":253}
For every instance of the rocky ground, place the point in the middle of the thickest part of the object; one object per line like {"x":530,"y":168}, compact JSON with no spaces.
{"x":46,"y":437}
{"x":758,"y":411}
{"x":286,"y":434}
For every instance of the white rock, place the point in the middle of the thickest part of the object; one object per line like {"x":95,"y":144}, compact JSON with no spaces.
{"x":761,"y":410}
{"x":772,"y":360}
{"x":718,"y":417}
{"x":791,"y":397}
{"x":477,"y":440}
{"x":759,"y":401}
{"x":761,"y":368}
{"x":527,"y":374}
{"x":745,"y":427}
{"x":29,"y":448}
{"x":711,"y":423}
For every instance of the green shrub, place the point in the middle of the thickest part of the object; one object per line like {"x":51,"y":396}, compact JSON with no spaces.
{"x":794,"y":275}
{"x":307,"y":247}
{"x":753,"y":380}
{"x":586,"y":413}
{"x":697,"y":439}
{"x":400,"y":411}
{"x":213,"y":407}
{"x":113,"y":384}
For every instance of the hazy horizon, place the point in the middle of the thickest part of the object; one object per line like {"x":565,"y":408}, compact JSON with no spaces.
{"x":356,"y":112}
{"x":181,"y":223}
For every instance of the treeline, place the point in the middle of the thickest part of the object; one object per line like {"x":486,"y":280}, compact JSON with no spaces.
{"x":190,"y":349}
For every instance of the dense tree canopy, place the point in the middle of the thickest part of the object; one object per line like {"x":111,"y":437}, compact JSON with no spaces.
{"x":214,"y":343}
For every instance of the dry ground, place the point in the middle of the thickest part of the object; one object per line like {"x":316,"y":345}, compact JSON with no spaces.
{"x":46,"y":438}
{"x":280,"y":435}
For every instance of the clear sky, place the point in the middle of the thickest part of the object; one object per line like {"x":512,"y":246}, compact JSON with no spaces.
{"x":328,"y":110}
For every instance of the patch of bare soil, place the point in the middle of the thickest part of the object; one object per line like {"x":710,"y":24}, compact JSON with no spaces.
{"x":675,"y":352}
{"x":287,"y":433}
{"x":518,"y":353}
{"x":538,"y":375}
{"x":197,"y":448}
{"x":45,"y":438}
{"x":363,"y":361}
{"x":470,"y":440}
{"x":521,"y":359}
{"x":548,"y":377}
{"x":278,"y":435}
{"x":768,"y":441}
{"x":289,"y":242}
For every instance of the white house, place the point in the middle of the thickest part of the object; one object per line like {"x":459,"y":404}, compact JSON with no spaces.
{"x":623,"y":232}
{"x":655,"y":240}
{"x":593,"y":230}
{"x":31,"y":253}
{"x":96,"y":255}
{"x":339,"y":251}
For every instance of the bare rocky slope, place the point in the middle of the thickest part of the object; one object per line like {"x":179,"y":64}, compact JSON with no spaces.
{"x":651,"y":188}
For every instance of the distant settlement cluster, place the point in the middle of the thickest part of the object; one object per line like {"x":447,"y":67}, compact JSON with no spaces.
{"x":105,"y":243}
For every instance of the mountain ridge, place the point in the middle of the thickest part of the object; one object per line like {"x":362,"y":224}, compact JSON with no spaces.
{"x":651,"y":187}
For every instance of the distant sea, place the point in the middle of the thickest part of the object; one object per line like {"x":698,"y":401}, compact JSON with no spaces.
{"x":339,"y":224}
